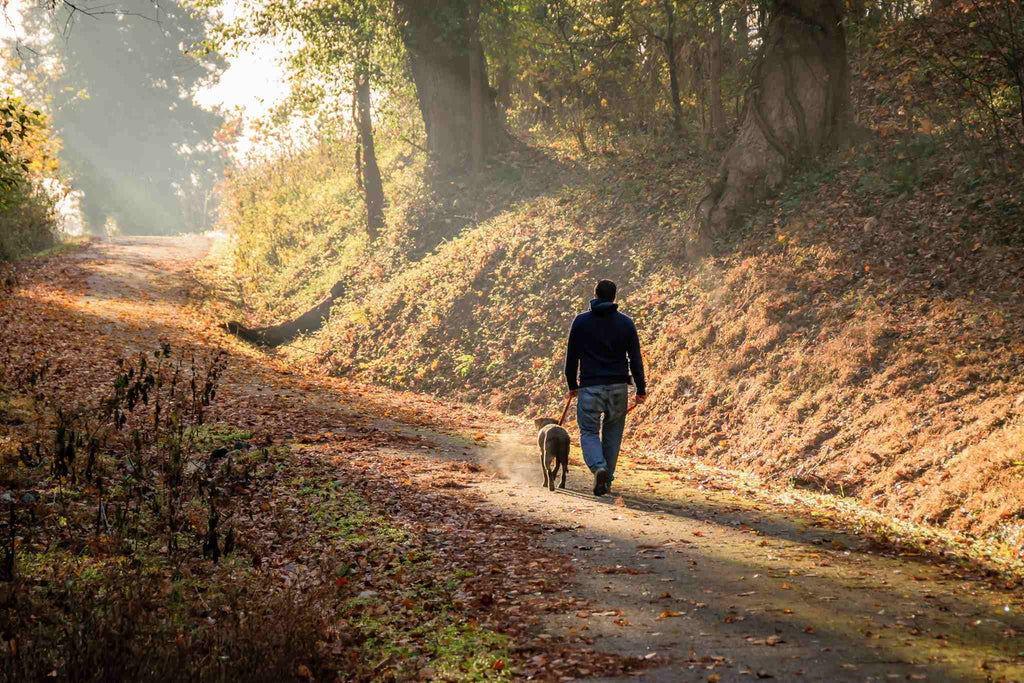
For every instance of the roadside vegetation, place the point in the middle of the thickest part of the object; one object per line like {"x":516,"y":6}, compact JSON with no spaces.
{"x":28,"y":165}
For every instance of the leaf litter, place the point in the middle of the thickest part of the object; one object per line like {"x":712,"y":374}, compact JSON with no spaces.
{"x":400,"y":576}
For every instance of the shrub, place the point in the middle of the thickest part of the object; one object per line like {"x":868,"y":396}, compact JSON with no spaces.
{"x":28,"y":212}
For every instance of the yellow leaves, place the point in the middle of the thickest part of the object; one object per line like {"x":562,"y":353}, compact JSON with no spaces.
{"x":668,"y":614}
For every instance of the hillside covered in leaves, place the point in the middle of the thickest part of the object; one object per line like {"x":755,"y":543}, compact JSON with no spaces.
{"x":860,"y":332}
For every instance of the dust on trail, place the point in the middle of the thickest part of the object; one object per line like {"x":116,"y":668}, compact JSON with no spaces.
{"x":724,"y":587}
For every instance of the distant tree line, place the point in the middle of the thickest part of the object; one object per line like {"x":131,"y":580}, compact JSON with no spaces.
{"x":118,"y":84}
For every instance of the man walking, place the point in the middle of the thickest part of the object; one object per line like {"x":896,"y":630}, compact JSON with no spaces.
{"x":603,"y":348}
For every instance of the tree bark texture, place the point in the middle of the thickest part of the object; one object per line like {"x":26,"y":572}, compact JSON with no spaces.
{"x":796,"y":108}
{"x":673,"y":65}
{"x":476,"y":88}
{"x":436,"y":34}
{"x":372,"y":186}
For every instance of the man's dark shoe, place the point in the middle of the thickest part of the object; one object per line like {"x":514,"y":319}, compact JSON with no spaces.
{"x":601,"y":482}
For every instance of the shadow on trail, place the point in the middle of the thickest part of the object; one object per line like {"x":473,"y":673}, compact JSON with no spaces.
{"x":821,"y":629}
{"x":863,"y":620}
{"x":774,"y":597}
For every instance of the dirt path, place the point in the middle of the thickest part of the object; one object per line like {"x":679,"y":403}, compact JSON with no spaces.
{"x":709,"y":583}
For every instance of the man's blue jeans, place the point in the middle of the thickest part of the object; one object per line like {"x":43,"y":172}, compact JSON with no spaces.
{"x":601,"y":439}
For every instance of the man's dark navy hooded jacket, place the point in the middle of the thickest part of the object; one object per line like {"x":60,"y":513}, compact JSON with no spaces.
{"x":603,"y":348}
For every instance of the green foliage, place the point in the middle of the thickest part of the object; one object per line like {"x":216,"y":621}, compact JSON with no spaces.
{"x":28,"y":220}
{"x":15,"y":122}
{"x":335,"y":40}
{"x":599,"y":70}
{"x":299,"y":215}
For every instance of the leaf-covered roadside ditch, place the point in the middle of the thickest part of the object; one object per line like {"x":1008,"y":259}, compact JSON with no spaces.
{"x":150,"y":533}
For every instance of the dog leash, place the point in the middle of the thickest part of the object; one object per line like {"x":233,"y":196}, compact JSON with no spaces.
{"x":565,"y":411}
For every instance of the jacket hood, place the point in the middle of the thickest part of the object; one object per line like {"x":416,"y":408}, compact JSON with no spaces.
{"x":602,"y":307}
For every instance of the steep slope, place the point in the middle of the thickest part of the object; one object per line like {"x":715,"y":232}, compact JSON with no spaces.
{"x":861,"y":333}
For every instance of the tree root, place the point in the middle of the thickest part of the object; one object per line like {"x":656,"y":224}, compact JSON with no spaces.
{"x":276,"y":335}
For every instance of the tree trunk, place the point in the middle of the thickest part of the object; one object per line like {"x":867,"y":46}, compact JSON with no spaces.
{"x":673,"y":67}
{"x":476,"y":89}
{"x":373,"y":188}
{"x":796,"y":108}
{"x":717,"y":108}
{"x":437,"y":36}
{"x":275,"y":335}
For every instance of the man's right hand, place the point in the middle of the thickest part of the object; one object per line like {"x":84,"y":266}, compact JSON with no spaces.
{"x":640,"y":398}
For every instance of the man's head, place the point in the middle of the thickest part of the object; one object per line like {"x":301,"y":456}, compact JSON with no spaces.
{"x":605,"y":290}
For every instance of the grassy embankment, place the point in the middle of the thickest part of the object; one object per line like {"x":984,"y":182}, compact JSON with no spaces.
{"x":862,"y":333}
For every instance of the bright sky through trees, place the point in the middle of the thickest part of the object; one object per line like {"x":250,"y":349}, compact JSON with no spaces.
{"x":253,"y":81}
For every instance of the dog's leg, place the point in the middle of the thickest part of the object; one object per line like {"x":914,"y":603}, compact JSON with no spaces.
{"x":565,"y":470}
{"x":554,"y":472}
{"x":544,"y":465}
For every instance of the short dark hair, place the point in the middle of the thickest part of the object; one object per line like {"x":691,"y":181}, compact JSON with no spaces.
{"x":605,"y":290}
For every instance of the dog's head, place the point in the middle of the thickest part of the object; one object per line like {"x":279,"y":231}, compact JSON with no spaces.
{"x":542,"y":422}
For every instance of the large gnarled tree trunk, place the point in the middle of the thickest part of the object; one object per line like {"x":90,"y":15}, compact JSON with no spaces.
{"x":797,"y":108}
{"x":437,"y":35}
